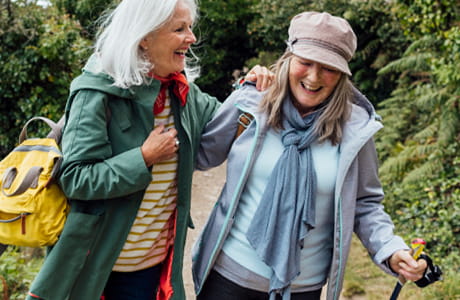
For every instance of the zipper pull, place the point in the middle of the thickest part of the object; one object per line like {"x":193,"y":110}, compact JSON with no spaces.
{"x":23,"y":223}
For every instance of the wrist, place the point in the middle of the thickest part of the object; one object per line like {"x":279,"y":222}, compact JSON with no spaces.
{"x":148,"y":162}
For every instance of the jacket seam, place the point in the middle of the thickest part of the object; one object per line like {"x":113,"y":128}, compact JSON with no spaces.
{"x":339,"y":269}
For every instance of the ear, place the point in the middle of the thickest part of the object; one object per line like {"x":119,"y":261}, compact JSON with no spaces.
{"x":143,"y":44}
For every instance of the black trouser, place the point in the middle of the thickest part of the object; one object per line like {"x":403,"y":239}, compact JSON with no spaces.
{"x":218,"y":287}
{"x":137,"y":285}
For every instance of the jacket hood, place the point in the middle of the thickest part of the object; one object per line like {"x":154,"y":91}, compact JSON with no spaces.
{"x":361,"y":101}
{"x":94,"y":78}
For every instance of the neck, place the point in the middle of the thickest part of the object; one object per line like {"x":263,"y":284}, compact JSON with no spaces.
{"x":303,"y":111}
{"x":158,"y":76}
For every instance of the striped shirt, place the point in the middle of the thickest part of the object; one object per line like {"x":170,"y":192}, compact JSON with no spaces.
{"x":153,"y":229}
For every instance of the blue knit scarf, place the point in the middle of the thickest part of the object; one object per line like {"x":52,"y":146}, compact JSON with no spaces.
{"x":286,"y":211}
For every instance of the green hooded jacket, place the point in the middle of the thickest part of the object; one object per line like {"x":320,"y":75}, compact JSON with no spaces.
{"x":104,"y":176}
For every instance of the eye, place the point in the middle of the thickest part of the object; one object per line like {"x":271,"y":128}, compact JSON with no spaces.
{"x":183,"y":27}
{"x":306,"y":63}
{"x":330,"y":70}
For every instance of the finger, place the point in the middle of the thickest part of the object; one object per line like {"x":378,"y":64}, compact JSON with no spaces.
{"x":407,"y":258}
{"x":172,"y":132}
{"x":259,"y":79}
{"x":422,"y":264}
{"x":403,"y":267}
{"x":411,"y":272}
{"x":412,"y":276}
{"x":270,"y":77}
{"x":407,"y":271}
{"x":259,"y":73}
{"x":264,"y":81}
{"x":159,"y":129}
{"x":251,"y":77}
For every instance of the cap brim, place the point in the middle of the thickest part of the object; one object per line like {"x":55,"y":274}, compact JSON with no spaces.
{"x":323,"y":56}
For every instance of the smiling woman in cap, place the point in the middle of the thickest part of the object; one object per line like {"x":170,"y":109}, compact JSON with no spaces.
{"x":301,"y":178}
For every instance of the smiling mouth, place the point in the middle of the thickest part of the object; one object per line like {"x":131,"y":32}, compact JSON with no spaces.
{"x":310,"y":88}
{"x":180,"y":52}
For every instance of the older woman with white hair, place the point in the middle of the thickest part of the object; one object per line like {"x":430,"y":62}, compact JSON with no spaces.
{"x":301,"y":178}
{"x":133,"y":124}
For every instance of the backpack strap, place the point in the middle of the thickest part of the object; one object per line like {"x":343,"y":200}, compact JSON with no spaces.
{"x":243,"y":122}
{"x":56,"y":133}
{"x":29,"y":181}
{"x":55,"y":129}
{"x":432,"y":273}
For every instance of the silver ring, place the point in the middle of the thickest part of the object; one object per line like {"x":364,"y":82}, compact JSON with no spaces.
{"x":177,"y":143}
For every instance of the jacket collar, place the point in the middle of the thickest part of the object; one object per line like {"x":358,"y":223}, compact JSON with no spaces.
{"x":94,"y":78}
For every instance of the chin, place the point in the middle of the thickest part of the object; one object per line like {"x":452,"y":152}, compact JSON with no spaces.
{"x":180,"y":68}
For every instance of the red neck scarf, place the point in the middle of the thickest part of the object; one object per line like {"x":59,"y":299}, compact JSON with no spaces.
{"x":180,"y":90}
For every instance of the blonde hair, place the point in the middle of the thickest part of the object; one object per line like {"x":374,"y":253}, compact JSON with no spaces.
{"x":123,"y":29}
{"x":330,"y":122}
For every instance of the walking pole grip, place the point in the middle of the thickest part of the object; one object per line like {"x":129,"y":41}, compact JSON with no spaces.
{"x":417,"y":246}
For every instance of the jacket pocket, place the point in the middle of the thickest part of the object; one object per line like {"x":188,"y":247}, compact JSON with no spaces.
{"x":67,"y":258}
{"x":120,"y":111}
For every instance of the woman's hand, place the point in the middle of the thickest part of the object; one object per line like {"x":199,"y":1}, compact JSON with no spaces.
{"x":160,"y":145}
{"x":404,"y":264}
{"x":262,"y":76}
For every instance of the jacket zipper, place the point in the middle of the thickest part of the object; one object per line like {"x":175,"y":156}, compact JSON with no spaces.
{"x":225,"y":230}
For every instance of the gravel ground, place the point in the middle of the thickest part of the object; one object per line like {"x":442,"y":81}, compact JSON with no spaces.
{"x":205,"y":190}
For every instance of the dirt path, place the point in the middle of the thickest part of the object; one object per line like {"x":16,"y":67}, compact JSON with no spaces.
{"x":206,"y":187}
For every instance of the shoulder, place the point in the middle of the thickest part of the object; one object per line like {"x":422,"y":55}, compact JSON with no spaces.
{"x":86,"y":97}
{"x":195,"y":93}
{"x":360,"y":118}
{"x":247,"y":97}
{"x":99,"y":83}
{"x":197,"y":99}
{"x":359,"y":113}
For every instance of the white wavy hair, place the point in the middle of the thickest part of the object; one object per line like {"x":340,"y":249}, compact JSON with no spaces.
{"x":122,"y":30}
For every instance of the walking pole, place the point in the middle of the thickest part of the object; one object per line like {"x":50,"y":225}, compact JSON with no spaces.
{"x":417,"y":246}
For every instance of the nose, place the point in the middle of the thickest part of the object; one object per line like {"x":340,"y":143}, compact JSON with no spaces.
{"x":314,"y":72}
{"x":191,"y":38}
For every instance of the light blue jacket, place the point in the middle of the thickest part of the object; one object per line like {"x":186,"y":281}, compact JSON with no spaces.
{"x":358,"y":192}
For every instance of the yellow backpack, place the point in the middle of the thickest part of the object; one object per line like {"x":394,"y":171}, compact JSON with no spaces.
{"x":33,"y":208}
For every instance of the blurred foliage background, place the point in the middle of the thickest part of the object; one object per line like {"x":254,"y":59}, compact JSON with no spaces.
{"x":407,"y":64}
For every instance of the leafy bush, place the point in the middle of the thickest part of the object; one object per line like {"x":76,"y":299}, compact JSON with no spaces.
{"x":430,"y":210}
{"x":420,"y":143}
{"x":41,"y":51}
{"x":18,"y":266}
{"x":223,"y":43}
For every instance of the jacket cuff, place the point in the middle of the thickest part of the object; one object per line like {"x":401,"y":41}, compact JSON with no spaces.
{"x":382,"y":257}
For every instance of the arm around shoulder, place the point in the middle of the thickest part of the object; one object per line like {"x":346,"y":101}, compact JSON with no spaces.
{"x":218,"y":135}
